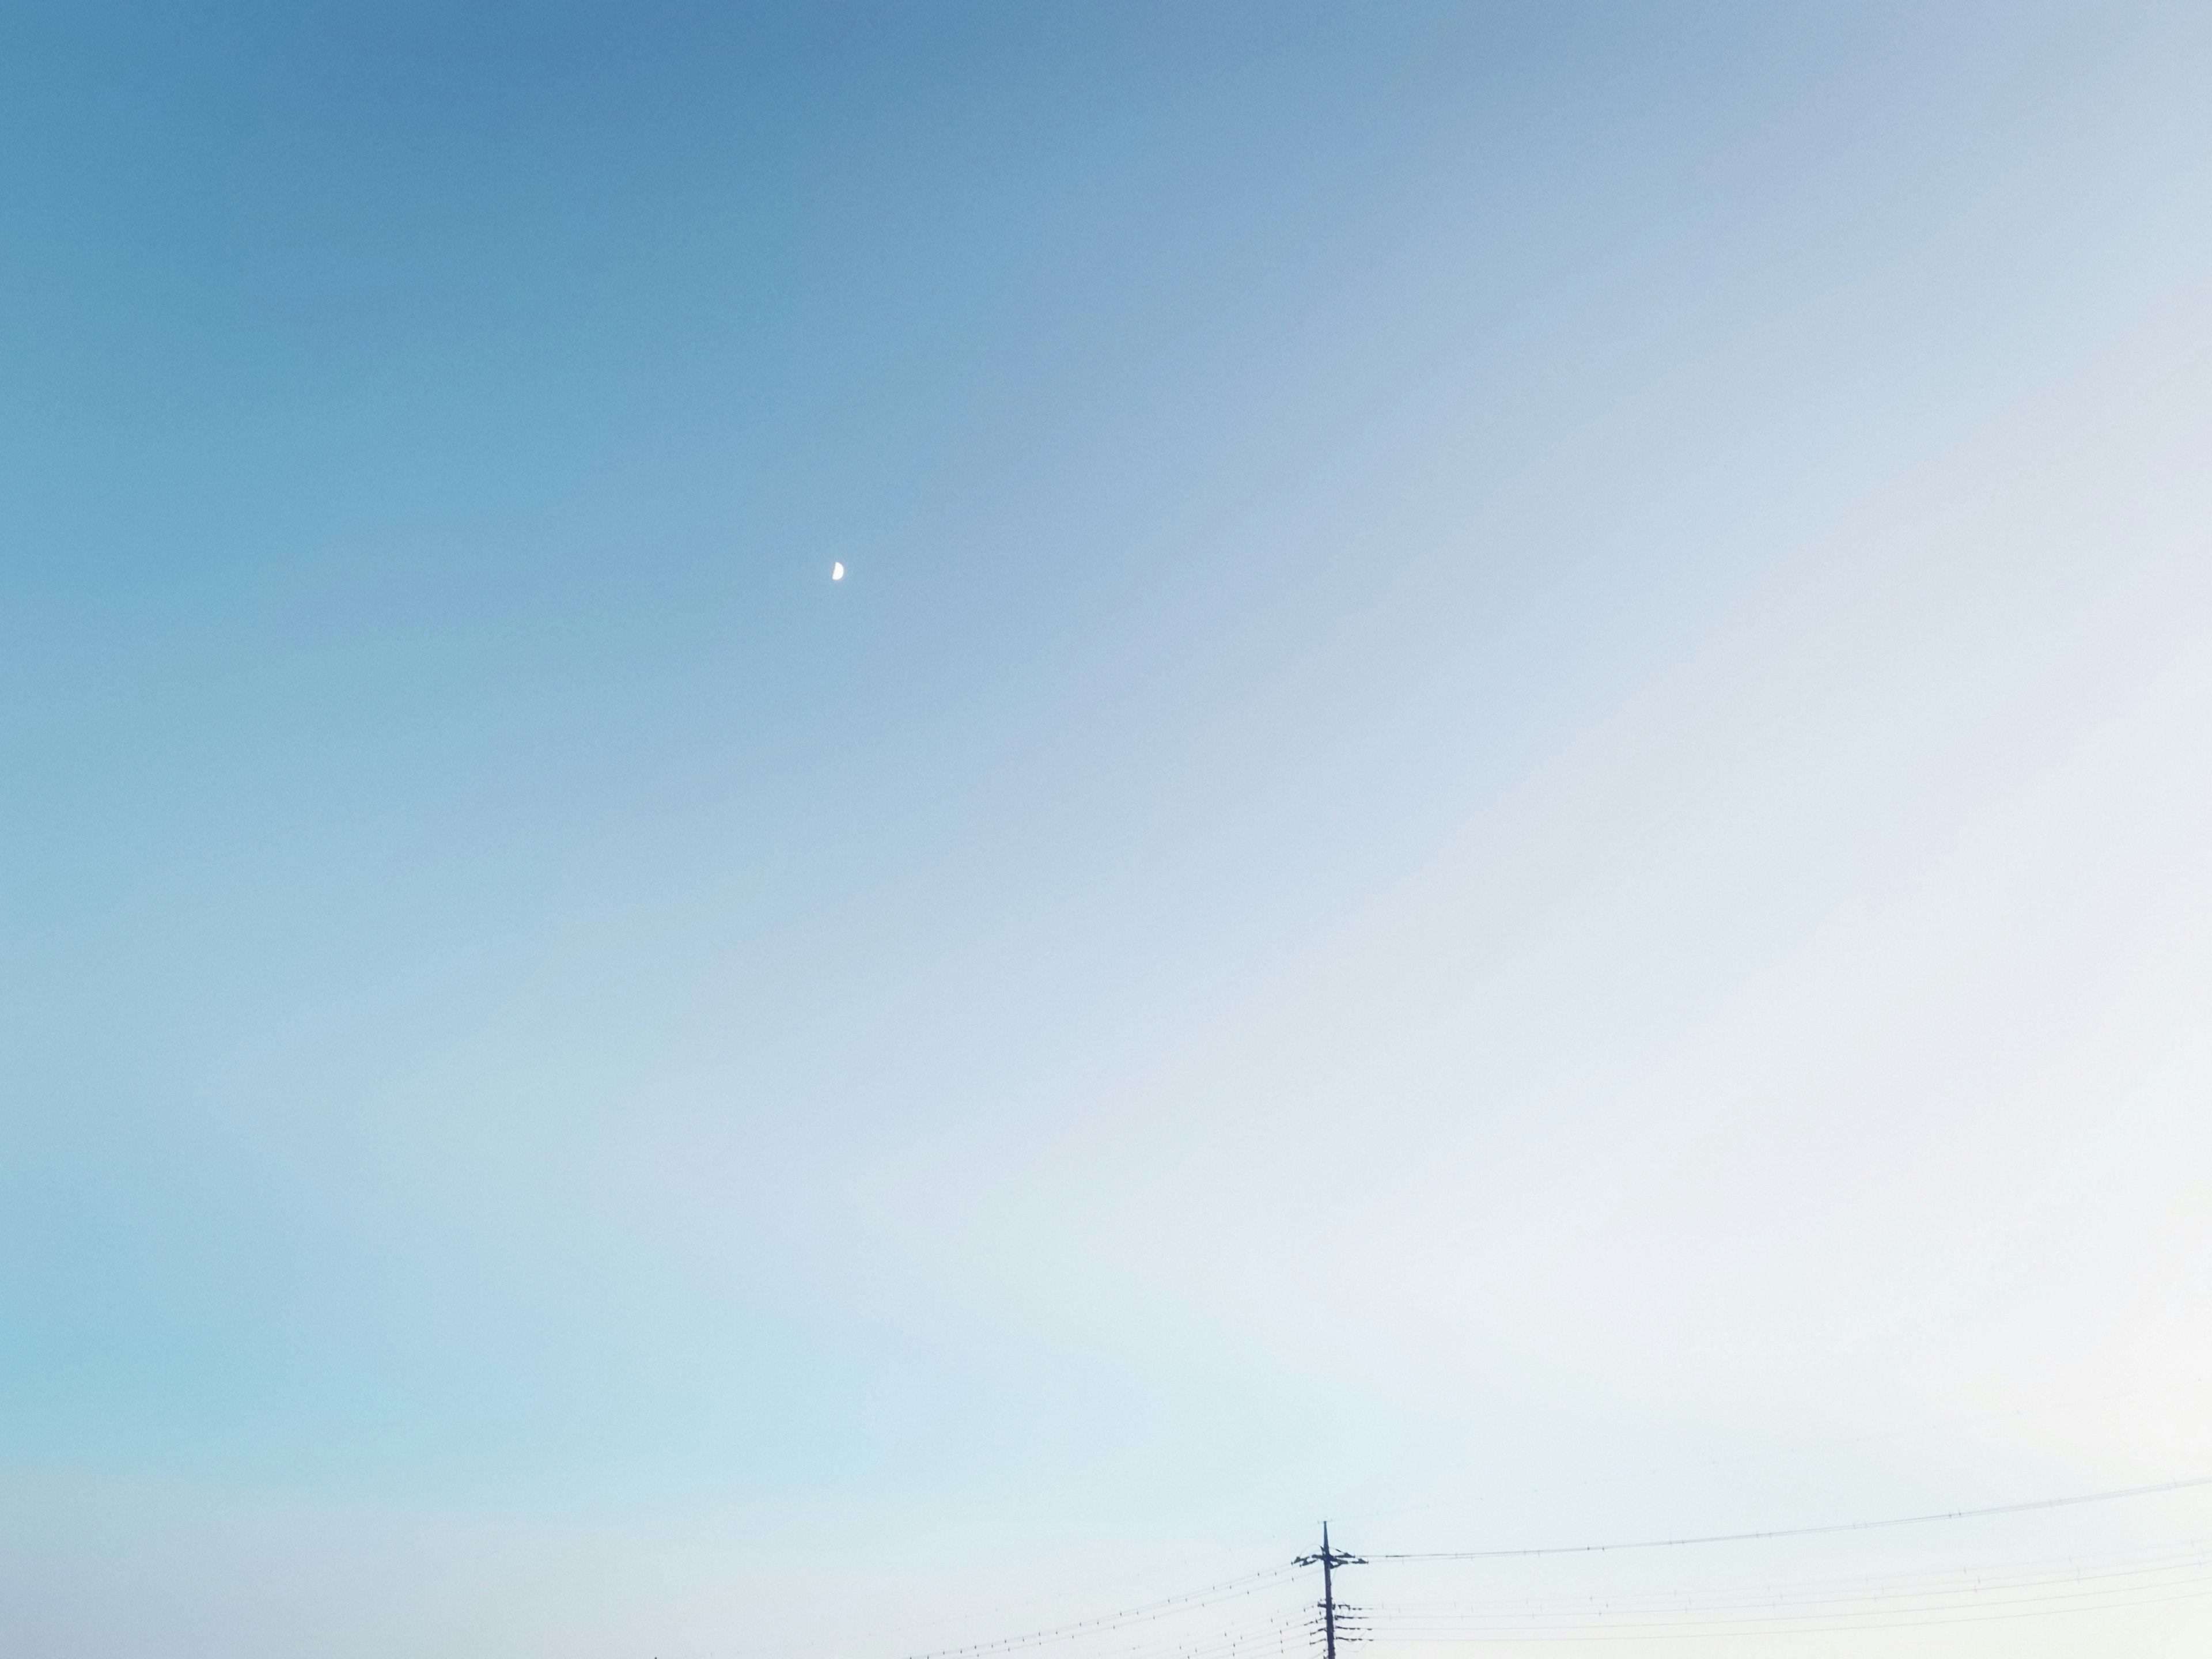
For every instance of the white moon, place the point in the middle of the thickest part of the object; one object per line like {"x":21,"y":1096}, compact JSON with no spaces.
{"x":836,"y":572}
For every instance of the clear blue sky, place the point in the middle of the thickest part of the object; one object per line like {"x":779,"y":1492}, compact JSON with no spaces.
{"x":1508,"y":791}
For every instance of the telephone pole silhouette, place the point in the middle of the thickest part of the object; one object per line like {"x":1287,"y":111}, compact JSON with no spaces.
{"x":1329,"y":1560}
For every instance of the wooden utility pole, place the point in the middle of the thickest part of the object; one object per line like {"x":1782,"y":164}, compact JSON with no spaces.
{"x":1329,"y":1560}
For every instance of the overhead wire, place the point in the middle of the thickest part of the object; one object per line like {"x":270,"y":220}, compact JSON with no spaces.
{"x":1658,"y":1630}
{"x":1801,"y":1449}
{"x":2075,"y":1566}
{"x":1872,"y":1594}
{"x":1151,"y":1630}
{"x":2054,"y":1585}
{"x":1802,"y":1532}
{"x":1167,"y":1607}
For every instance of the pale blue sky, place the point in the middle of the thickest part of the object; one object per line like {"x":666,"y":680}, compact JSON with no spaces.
{"x":1508,"y":792}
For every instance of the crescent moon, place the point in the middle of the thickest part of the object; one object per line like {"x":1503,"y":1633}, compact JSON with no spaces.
{"x":836,"y":572}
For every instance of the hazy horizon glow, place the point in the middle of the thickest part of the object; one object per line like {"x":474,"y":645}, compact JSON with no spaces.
{"x":1499,"y":826}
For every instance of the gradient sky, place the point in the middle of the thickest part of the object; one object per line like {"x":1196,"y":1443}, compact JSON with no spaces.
{"x":1504,"y":831}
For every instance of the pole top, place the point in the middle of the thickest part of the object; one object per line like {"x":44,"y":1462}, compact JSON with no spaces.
{"x":1329,"y":1556}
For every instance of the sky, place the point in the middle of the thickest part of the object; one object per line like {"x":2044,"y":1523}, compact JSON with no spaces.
{"x":1501,"y":833}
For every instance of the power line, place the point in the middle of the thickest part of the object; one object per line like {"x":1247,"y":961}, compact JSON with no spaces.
{"x":2061,"y":1584}
{"x":1166,"y":1607}
{"x":1841,"y":1621}
{"x":1855,"y":1589}
{"x":1806,"y":1532}
{"x":1799,"y":1450}
{"x":1149,"y":1630}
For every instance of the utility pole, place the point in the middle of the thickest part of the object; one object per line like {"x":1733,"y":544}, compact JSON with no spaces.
{"x":1329,"y":1560}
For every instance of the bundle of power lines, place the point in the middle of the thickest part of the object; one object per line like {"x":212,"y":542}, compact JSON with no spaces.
{"x":1282,"y":1613}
